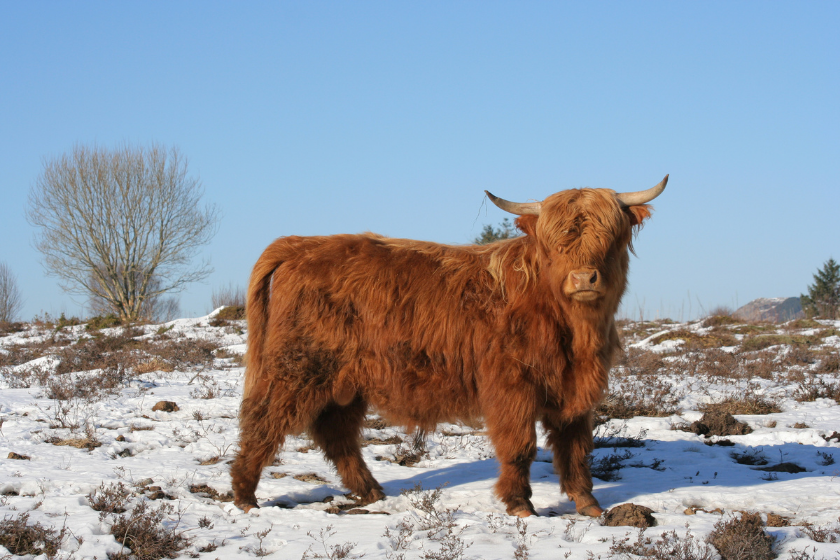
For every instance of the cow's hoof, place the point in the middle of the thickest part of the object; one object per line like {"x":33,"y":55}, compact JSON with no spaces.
{"x":593,"y":510}
{"x":246,"y":506}
{"x":521,"y":508}
{"x":373,"y":496}
{"x":524,"y":513}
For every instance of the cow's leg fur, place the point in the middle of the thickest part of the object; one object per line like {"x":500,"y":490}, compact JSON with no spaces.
{"x":264,"y":424}
{"x":516,"y":447}
{"x":571,"y":443}
{"x":262,"y":431}
{"x":336,"y":431}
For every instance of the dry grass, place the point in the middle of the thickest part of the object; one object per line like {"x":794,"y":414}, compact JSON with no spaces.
{"x":22,"y":538}
{"x":693,"y":341}
{"x":109,"y":499}
{"x":747,"y":404}
{"x":146,"y":536}
{"x":742,"y":538}
{"x":652,"y":397}
{"x":669,"y":546}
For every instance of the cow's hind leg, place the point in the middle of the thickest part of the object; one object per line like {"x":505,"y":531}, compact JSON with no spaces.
{"x":262,"y":430}
{"x":571,"y":443}
{"x":336,"y":431}
{"x":516,"y":447}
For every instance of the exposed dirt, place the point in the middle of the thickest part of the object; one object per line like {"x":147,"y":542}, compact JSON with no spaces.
{"x":629,"y":515}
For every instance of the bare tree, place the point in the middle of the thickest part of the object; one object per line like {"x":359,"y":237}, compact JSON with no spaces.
{"x":121,"y":226}
{"x":156,"y":308}
{"x":10,"y":298}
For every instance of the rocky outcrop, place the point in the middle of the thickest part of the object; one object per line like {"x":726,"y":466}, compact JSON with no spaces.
{"x":774,"y":310}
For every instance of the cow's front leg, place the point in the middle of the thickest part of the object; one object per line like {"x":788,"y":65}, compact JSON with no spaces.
{"x":571,"y":444}
{"x":515,"y":440}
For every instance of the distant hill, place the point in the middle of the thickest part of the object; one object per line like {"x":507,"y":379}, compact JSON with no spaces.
{"x":776,"y":310}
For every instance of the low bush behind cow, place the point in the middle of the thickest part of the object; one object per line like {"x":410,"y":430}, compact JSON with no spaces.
{"x":514,"y":332}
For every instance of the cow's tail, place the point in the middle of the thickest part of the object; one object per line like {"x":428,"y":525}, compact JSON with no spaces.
{"x":257,"y":311}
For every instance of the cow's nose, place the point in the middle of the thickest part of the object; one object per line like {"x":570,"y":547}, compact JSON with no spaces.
{"x":586,"y":279}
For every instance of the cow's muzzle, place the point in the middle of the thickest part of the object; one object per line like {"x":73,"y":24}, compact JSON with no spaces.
{"x":585,"y":284}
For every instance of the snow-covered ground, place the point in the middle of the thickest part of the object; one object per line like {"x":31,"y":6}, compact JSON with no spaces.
{"x":186,"y":455}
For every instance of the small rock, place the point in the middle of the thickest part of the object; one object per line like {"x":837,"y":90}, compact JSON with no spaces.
{"x":629,"y":515}
{"x":357,"y":511}
{"x":18,"y":456}
{"x":333,"y":509}
{"x":120,"y":438}
{"x":166,"y":406}
{"x":144,"y":482}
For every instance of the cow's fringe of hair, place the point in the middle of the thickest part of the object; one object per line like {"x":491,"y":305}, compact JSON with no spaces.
{"x":515,"y":254}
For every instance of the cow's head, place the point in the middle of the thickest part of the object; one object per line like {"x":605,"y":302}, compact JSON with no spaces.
{"x":583,"y":236}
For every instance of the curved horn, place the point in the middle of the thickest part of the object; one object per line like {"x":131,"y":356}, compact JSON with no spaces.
{"x":518,"y":208}
{"x":641,"y":197}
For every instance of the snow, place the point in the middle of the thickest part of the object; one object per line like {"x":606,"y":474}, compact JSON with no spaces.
{"x":175,"y":450}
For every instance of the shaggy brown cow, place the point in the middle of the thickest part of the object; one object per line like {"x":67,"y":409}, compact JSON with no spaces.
{"x":514,"y":332}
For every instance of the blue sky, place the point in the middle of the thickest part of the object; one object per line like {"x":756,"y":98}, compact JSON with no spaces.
{"x":313,"y":118}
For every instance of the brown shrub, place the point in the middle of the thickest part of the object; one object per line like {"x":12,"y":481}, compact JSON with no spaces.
{"x":720,"y":316}
{"x":641,"y":362}
{"x":229,"y":313}
{"x":91,"y":388}
{"x":742,"y":538}
{"x":801,"y":324}
{"x":185,"y":353}
{"x":799,"y":355}
{"x":9,"y":328}
{"x":101,"y":352}
{"x":102,"y":322}
{"x":747,"y":404}
{"x":829,"y":363}
{"x":816,"y":388}
{"x":821,"y":534}
{"x":651,"y":396}
{"x":109,"y":499}
{"x":669,"y":546}
{"x":145,"y":535}
{"x":715,"y":363}
{"x":25,"y":377}
{"x":20,"y":538}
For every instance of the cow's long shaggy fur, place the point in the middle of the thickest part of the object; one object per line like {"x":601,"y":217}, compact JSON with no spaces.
{"x":425,"y":333}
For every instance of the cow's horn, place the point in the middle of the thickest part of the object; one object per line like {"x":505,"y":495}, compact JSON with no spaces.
{"x":518,"y":208}
{"x":641,"y":197}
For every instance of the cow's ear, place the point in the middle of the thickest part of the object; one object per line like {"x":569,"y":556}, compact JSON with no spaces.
{"x":527,"y":223}
{"x":639,"y":213}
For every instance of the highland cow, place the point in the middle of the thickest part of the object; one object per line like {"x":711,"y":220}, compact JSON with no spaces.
{"x":514,"y":332}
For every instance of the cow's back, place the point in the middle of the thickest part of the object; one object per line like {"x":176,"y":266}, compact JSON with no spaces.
{"x":402,"y":323}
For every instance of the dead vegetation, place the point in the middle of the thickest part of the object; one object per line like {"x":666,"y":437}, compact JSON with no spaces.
{"x":20,"y":537}
{"x":669,"y":546}
{"x":742,"y":538}
{"x":145,"y":536}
